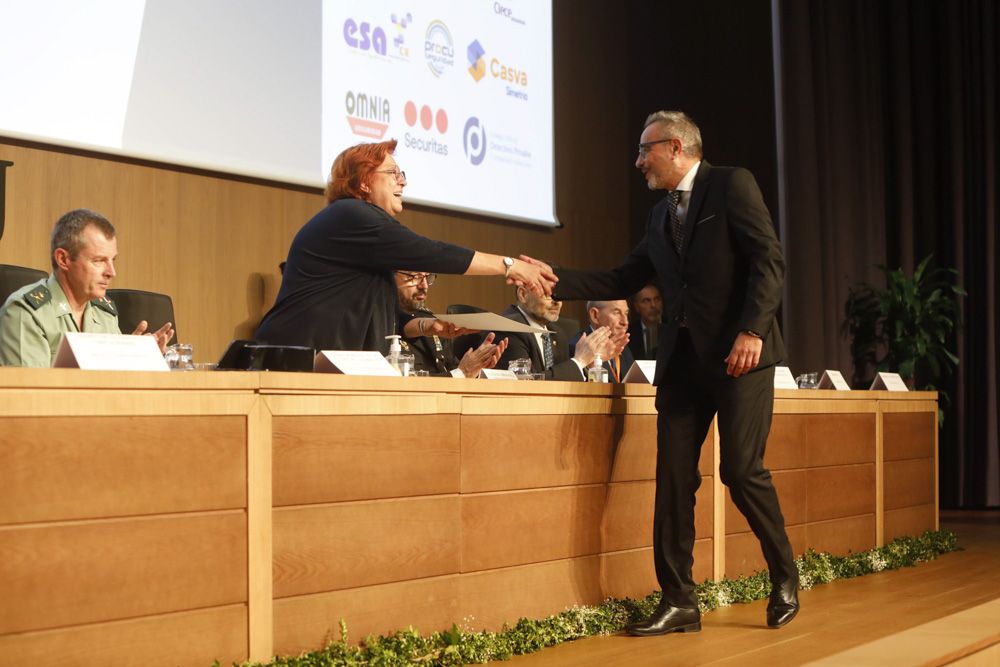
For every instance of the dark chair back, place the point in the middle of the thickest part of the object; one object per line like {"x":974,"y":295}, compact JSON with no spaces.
{"x":13,"y":278}
{"x":462,"y":344}
{"x":136,"y":305}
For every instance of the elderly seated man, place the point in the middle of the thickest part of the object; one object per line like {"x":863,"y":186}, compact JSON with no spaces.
{"x":614,"y":316}
{"x":35,"y":317}
{"x":428,"y":339}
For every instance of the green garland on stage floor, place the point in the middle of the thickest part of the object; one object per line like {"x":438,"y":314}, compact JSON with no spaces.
{"x":457,"y":647}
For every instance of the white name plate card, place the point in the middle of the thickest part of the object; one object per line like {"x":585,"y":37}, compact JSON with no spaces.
{"x":109,"y":352}
{"x":497,"y":374}
{"x":353,"y":362}
{"x":642,"y":372}
{"x":833,"y":380}
{"x":889,"y":382}
{"x":783,"y":378}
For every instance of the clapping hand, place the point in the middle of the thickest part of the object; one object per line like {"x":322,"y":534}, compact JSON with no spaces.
{"x":162,"y":335}
{"x":487,"y":355}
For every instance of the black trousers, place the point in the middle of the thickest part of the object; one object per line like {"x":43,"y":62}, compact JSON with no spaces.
{"x":686,"y":402}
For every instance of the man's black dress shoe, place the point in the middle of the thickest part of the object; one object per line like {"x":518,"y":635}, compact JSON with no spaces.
{"x":783,"y":604}
{"x":666,"y":619}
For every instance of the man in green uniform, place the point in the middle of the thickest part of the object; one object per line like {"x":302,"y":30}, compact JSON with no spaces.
{"x":35,"y":317}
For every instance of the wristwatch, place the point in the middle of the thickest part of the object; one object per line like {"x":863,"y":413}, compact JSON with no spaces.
{"x":751,"y":332}
{"x":508,"y":263}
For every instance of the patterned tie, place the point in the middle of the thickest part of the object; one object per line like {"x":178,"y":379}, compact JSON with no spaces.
{"x":676,"y":225}
{"x":547,"y":355}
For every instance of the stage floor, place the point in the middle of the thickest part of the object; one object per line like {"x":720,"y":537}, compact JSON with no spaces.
{"x":931,"y":614}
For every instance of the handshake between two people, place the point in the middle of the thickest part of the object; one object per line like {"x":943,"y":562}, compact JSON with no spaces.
{"x":533,"y":274}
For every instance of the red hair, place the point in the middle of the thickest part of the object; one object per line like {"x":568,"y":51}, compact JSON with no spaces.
{"x":355,"y":167}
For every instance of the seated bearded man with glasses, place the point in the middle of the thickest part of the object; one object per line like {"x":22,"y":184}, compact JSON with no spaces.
{"x":423,"y":335}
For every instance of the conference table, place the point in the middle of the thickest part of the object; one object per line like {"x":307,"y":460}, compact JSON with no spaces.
{"x":178,"y":518}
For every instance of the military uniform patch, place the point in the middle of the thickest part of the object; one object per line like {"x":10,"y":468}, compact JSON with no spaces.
{"x":105,"y":304}
{"x":38,"y":297}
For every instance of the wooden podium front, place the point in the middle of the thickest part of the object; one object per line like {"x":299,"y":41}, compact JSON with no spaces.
{"x":180,"y":518}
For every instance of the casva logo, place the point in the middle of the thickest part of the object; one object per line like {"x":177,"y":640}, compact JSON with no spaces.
{"x":368,"y":115}
{"x":439,"y":49}
{"x":477,"y":64}
{"x":362,"y":36}
{"x":428,"y":117}
{"x":474,"y":140}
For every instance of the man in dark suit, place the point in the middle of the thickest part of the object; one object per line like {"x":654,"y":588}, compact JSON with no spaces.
{"x":644,"y":328}
{"x":712,"y":246}
{"x":614,"y":316}
{"x":549,"y":353}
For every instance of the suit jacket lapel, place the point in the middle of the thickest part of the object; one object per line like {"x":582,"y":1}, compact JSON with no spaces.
{"x":533,"y":351}
{"x":694,"y":205}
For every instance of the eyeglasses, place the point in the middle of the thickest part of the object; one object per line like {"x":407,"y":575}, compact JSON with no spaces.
{"x":648,"y":146}
{"x":400,"y":176}
{"x":417,"y":278}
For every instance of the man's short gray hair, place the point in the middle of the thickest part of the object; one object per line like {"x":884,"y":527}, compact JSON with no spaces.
{"x":68,"y":232}
{"x":678,"y":125}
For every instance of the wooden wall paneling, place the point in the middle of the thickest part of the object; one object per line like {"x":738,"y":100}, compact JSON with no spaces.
{"x":842,"y":536}
{"x":321,"y":548}
{"x":260,"y":536}
{"x":320,"y":459}
{"x":909,"y":435}
{"x":61,"y":574}
{"x":60,"y":468}
{"x":910,"y":521}
{"x":909,"y":483}
{"x":308,"y":622}
{"x":167,"y":640}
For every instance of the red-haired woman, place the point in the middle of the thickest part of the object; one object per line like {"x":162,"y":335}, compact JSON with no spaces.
{"x":337,"y":290}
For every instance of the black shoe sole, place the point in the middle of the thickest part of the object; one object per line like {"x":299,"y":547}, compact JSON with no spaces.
{"x":690,"y":627}
{"x":784,"y":622}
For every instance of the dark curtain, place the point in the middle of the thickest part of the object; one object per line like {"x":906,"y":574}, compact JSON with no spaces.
{"x":889,"y":147}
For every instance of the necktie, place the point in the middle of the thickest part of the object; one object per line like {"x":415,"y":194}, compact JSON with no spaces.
{"x":676,"y":225}
{"x":547,"y":355}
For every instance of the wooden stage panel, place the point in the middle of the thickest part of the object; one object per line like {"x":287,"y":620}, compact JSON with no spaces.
{"x":909,"y":482}
{"x":184,"y":638}
{"x":543,"y":451}
{"x":369,"y":456}
{"x":908,"y":435}
{"x":842,"y":536}
{"x":60,"y":468}
{"x":909,"y":521}
{"x":347,"y":545}
{"x":65,"y":574}
{"x":635,"y":456}
{"x":306,"y":622}
{"x":811,"y":440}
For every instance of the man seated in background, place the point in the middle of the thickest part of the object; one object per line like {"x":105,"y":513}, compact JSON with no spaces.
{"x":549,"y":353}
{"x":614,"y":316}
{"x":644,"y":331}
{"x":35,"y":317}
{"x":422,"y":334}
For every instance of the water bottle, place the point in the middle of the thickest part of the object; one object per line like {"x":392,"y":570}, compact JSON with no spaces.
{"x":597,"y":372}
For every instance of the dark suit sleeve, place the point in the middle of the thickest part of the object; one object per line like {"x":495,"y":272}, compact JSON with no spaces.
{"x":618,"y":283}
{"x":753,"y":234}
{"x":567,"y":370}
{"x":517,"y":347}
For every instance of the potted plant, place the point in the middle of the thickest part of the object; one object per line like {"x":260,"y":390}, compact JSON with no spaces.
{"x":905,"y":327}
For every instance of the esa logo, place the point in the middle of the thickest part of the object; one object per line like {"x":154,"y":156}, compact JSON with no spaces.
{"x":363,"y":37}
{"x":368,"y":115}
{"x":439,"y":49}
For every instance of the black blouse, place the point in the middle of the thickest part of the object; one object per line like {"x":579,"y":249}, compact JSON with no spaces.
{"x":337,"y":291}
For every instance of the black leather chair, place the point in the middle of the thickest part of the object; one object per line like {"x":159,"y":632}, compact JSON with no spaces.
{"x":462,"y":344}
{"x":13,"y":278}
{"x":135,"y":305}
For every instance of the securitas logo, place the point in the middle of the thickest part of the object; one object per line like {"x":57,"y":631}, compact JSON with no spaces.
{"x":439,"y":49}
{"x":429,"y":119}
{"x":368,"y":115}
{"x":364,"y":37}
{"x":401,"y":22}
{"x":507,"y":13}
{"x":474,"y":140}
{"x":477,"y":64}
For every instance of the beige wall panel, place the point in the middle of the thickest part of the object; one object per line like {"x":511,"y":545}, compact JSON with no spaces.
{"x":329,"y":459}
{"x":74,"y":573}
{"x":840,"y":491}
{"x":635,"y":454}
{"x":842,"y":536}
{"x":909,"y":521}
{"x":308,"y":622}
{"x":743,"y":555}
{"x":630,"y":573}
{"x":792,"y":488}
{"x":58,"y":468}
{"x":333,"y":547}
{"x":185,"y":639}
{"x":908,"y":435}
{"x":627,"y":522}
{"x":801,"y":440}
{"x":544,"y":450}
{"x":909,"y":482}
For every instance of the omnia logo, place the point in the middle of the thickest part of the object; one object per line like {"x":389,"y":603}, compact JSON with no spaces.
{"x":368,"y":115}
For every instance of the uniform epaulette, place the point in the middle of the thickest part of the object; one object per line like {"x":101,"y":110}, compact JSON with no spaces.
{"x":38,"y":297}
{"x":105,"y":304}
